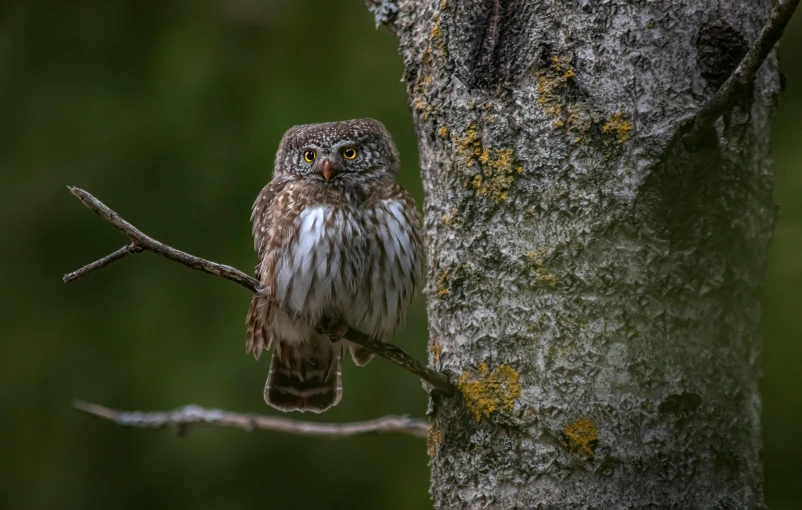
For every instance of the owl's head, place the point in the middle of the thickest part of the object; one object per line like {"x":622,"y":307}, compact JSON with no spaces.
{"x":338,"y":152}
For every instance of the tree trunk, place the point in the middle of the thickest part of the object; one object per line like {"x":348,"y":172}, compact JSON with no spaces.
{"x":593,"y":283}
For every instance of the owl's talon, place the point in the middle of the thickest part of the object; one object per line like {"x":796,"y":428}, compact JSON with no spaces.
{"x":335,"y":329}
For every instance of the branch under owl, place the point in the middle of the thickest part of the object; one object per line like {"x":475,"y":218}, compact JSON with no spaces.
{"x":182,"y":419}
{"x":142,"y":242}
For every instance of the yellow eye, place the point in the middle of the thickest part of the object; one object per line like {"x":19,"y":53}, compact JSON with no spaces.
{"x":349,"y":153}
{"x":309,"y":155}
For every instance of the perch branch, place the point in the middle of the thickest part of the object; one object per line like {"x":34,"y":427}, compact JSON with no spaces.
{"x":744,"y":74}
{"x":141,"y":242}
{"x":183,"y":418}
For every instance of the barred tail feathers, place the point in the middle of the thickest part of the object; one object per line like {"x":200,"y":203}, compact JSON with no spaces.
{"x":305,"y":376}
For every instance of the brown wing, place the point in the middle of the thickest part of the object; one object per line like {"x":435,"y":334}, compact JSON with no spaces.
{"x":262,"y":218}
{"x":258,"y":337}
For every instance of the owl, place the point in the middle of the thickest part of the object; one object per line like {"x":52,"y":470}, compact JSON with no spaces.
{"x":338,"y":242}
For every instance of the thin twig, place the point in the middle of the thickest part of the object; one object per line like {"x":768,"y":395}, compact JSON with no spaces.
{"x":141,"y":242}
{"x":181,"y":419}
{"x":744,"y":74}
{"x":105,"y":261}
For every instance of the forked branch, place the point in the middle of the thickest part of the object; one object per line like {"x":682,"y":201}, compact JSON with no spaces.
{"x":182,"y":419}
{"x":744,"y":74}
{"x":142,"y":242}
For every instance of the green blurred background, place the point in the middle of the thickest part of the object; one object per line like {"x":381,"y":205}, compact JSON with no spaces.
{"x":170,"y":112}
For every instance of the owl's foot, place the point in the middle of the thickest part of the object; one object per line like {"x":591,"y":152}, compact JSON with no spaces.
{"x":333,"y":327}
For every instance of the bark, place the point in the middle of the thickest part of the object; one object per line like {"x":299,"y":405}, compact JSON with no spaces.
{"x":593,"y":282}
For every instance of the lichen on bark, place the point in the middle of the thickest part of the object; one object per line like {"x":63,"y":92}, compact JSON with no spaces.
{"x":486,"y":391}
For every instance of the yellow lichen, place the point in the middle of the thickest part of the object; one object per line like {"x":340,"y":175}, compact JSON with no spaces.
{"x":620,"y":126}
{"x":426,"y":56}
{"x":497,"y":174}
{"x":497,"y":165}
{"x":420,"y":104}
{"x":484,"y":155}
{"x":546,"y":95}
{"x":542,"y":275}
{"x":435,"y":349}
{"x":446,"y":280}
{"x":581,"y":435}
{"x":486,"y":391}
{"x":443,"y":131}
{"x":477,"y":183}
{"x":423,"y":108}
{"x":448,"y":217}
{"x":552,"y":84}
{"x":437,"y":37}
{"x":433,"y":439}
{"x":544,"y":88}
{"x":469,"y":146}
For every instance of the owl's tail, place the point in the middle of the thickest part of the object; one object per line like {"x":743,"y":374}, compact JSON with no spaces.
{"x":306,"y":376}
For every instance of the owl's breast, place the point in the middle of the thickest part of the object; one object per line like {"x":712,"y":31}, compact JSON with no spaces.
{"x":362,"y":264}
{"x":391,"y":268}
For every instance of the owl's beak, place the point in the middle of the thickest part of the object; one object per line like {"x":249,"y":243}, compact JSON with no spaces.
{"x":327,"y":169}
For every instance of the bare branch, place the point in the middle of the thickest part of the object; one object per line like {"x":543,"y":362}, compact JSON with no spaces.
{"x":141,"y":242}
{"x":183,"y":418}
{"x":105,"y":261}
{"x":744,"y":74}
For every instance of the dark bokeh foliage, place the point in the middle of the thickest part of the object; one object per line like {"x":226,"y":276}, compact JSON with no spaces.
{"x":170,"y":112}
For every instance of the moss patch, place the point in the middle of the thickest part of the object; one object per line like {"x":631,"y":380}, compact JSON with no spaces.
{"x":487,"y":391}
{"x":581,"y":435}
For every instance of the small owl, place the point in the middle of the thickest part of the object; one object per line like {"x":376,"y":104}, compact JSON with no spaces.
{"x":339,"y":241}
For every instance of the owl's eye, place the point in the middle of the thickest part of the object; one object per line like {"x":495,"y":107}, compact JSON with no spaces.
{"x":349,"y":153}
{"x":309,"y":155}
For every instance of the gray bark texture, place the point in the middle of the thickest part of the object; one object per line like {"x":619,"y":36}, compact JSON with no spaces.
{"x":593,"y":282}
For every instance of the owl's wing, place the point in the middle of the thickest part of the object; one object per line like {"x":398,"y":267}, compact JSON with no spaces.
{"x":261,"y":219}
{"x":258,"y":337}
